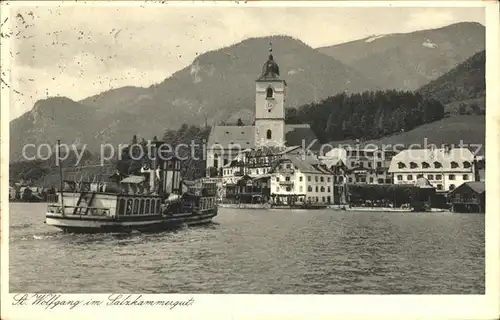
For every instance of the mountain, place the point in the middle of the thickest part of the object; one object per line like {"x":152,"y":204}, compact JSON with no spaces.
{"x":453,"y":130}
{"x":464,"y":84}
{"x":407,"y":61}
{"x":218,"y":86}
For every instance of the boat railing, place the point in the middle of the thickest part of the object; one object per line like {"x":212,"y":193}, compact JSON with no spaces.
{"x":93,"y":211}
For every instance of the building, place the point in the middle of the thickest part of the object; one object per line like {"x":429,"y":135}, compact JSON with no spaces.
{"x":361,"y":164}
{"x":445,"y":168}
{"x":298,"y":178}
{"x":225,"y":143}
{"x":468,"y":197}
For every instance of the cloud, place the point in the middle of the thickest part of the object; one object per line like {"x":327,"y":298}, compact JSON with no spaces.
{"x":77,"y":51}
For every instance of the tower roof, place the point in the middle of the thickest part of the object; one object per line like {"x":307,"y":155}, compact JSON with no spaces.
{"x":270,"y":69}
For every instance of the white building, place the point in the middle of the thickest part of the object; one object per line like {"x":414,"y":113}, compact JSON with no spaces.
{"x":445,"y":168}
{"x":270,"y":130}
{"x":303,"y":178}
{"x":361,"y":164}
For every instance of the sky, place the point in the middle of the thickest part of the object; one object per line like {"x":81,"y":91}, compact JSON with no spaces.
{"x":81,"y":51}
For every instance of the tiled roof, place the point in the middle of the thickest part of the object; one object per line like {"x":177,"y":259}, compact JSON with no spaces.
{"x":430,"y":156}
{"x":243,"y":136}
{"x":306,"y":164}
{"x":477,"y":186}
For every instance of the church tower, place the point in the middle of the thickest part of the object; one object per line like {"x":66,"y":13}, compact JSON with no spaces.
{"x":270,"y":106}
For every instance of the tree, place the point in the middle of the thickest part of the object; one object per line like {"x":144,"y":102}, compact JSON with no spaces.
{"x":475,"y":108}
{"x":462,"y":109}
{"x":239,"y":122}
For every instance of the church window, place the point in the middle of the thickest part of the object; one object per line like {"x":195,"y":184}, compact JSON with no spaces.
{"x":269,"y":134}
{"x":269,"y":93}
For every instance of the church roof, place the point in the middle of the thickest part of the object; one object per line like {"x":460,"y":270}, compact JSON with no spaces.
{"x":270,"y":70}
{"x":243,"y":136}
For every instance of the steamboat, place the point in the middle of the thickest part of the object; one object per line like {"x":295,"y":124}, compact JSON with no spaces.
{"x":156,"y":199}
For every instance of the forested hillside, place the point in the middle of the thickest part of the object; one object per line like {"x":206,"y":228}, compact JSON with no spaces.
{"x":366,"y":115}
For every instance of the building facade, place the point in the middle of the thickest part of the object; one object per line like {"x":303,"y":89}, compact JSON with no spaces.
{"x":445,"y":168}
{"x":301,"y":178}
{"x":361,"y":164}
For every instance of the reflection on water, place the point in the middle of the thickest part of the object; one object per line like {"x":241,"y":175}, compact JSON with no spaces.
{"x":274,"y":251}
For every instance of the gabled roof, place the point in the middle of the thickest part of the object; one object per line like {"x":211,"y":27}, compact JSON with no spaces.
{"x":242,"y":137}
{"x":305,"y":164}
{"x":477,"y":186}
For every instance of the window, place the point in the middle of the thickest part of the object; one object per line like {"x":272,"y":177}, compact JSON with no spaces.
{"x":451,"y":177}
{"x":329,"y":190}
{"x":121,"y":206}
{"x":350,"y":179}
{"x":467,"y":164}
{"x":287,"y":178}
{"x":401,"y":165}
{"x":369,"y":164}
{"x":452,"y":187}
{"x":369,"y":153}
{"x":439,"y":177}
{"x":388,"y":181}
{"x":361,"y":164}
{"x":363,"y":180}
{"x":328,"y":179}
{"x":437,"y":165}
{"x":409,"y":177}
{"x":309,"y":189}
{"x":430,"y":177}
{"x":288,"y":189}
{"x":316,"y":188}
{"x":308,"y":178}
{"x":316,"y":178}
{"x":277,"y":179}
{"x":440,"y":187}
{"x":454,"y":165}
{"x":353,"y":163}
{"x":341,"y":179}
{"x":420,"y":176}
{"x":323,"y":199}
{"x":380,"y":181}
{"x":269,"y":93}
{"x":425,"y":165}
{"x":141,"y":207}
{"x":226,"y":161}
{"x":413,"y":165}
{"x":300,"y":178}
{"x":322,"y":179}
{"x":136,"y":206}
{"x":400,"y":177}
{"x":288,"y":166}
{"x":379,"y":164}
{"x":371,"y":180}
{"x":465,"y":177}
{"x":269,"y":134}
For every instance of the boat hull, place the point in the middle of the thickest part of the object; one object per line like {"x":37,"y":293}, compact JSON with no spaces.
{"x":154,"y":223}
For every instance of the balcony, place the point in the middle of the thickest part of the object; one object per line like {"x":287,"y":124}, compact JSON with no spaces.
{"x":286,"y":183}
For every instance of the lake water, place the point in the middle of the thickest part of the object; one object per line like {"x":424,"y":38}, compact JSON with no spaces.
{"x":257,"y":251}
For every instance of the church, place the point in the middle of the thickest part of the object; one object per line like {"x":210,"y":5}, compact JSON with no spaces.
{"x":269,"y":130}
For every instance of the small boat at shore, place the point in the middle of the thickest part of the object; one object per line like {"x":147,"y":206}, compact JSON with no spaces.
{"x":163,"y":203}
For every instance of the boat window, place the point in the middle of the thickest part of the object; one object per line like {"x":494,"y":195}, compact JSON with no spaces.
{"x":129,"y":207}
{"x":121,"y":207}
{"x":136,"y":206}
{"x":141,"y":210}
{"x":146,"y":209}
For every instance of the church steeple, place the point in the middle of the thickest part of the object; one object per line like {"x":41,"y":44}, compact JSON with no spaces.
{"x":270,"y":70}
